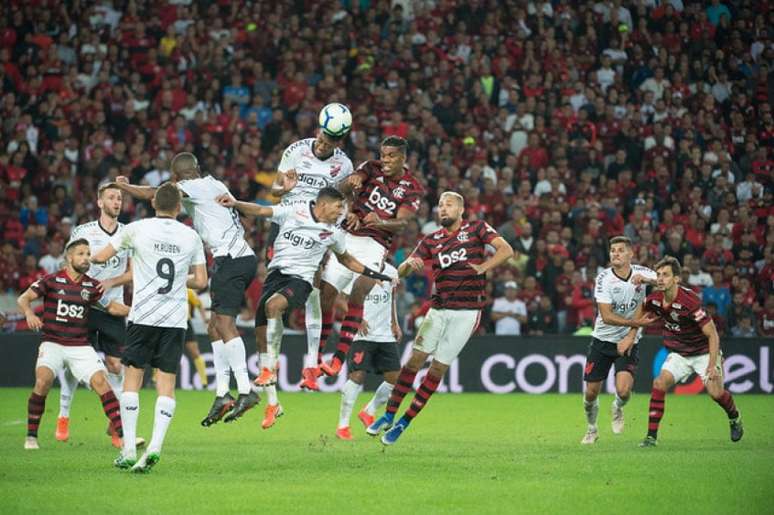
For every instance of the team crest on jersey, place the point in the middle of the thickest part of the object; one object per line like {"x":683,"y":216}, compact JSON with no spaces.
{"x":399,"y":192}
{"x":463,"y":237}
{"x":85,"y":294}
{"x":675,"y":316}
{"x":335,"y":169}
{"x":323,"y":235}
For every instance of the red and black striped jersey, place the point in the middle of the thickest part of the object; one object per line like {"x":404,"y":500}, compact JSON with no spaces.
{"x":457,"y":285}
{"x":384,"y":196}
{"x":66,"y":307}
{"x":683,"y":321}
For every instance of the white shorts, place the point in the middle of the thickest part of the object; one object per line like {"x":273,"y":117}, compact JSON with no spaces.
{"x":681,"y":367}
{"x":363,"y":248}
{"x":82,"y":360}
{"x":444,"y":332}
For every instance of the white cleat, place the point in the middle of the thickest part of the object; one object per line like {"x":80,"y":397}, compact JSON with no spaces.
{"x":31,"y":443}
{"x":618,"y":419}
{"x":590,"y":437}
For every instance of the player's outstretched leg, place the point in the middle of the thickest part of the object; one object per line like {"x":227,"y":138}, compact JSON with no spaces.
{"x":220,"y":406}
{"x":379,"y":399}
{"x":725,"y":400}
{"x":591,"y":410}
{"x":661,"y":385}
{"x":349,"y":394}
{"x":313,"y":319}
{"x":421,"y":397}
{"x":36,"y":405}
{"x":624,"y":380}
{"x":403,"y":386}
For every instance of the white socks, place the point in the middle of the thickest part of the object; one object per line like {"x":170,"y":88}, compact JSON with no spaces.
{"x":313,"y":327}
{"x":380,"y":398}
{"x":237,"y":360}
{"x":220,"y":362}
{"x":130,"y":412}
{"x":271,"y":394}
{"x":68,"y":384}
{"x":165,"y":409}
{"x":619,"y":402}
{"x":274,"y":330}
{"x":348,"y":397}
{"x":592,"y":410}
{"x":116,"y":382}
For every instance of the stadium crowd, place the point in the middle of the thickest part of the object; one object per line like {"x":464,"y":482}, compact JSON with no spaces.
{"x":562,"y":124}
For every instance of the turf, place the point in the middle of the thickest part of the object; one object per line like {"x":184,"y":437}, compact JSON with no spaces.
{"x":466,"y":453}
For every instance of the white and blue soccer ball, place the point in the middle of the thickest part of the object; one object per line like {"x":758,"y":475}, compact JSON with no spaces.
{"x":335,"y":119}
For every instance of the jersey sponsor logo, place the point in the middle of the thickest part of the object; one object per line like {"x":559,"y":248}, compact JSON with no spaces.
{"x":65,"y":309}
{"x":377,"y":298}
{"x":623,"y":307}
{"x":379,"y":201}
{"x":455,"y":256}
{"x":298,"y":240}
{"x":314,"y":181}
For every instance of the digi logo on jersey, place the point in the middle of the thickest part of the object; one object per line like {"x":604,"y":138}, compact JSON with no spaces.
{"x":298,"y":240}
{"x":623,"y":307}
{"x":65,"y":309}
{"x":313,"y":181}
{"x":113,"y":262}
{"x":379,"y":201}
{"x":380,"y":298}
{"x":455,"y":256}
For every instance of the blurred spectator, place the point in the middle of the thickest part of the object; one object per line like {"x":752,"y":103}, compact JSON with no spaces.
{"x":509,"y":313}
{"x":52,"y":262}
{"x":543,"y":320}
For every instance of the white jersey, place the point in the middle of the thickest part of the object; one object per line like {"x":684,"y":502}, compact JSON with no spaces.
{"x":623,"y":297}
{"x":98,"y":239}
{"x":377,"y":310}
{"x":219,"y":226}
{"x":302,"y":241}
{"x":163,"y":251}
{"x":313,"y":174}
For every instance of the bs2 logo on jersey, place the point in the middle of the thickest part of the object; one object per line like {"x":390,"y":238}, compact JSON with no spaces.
{"x":379,"y":201}
{"x":64,"y":309}
{"x":455,"y":256}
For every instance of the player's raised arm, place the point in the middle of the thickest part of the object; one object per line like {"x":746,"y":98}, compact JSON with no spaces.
{"x":23,"y":302}
{"x":503,"y":252}
{"x":284,"y":182}
{"x":346,"y":259}
{"x":393,"y":225}
{"x":117,"y":309}
{"x":141,"y":192}
{"x":247,"y":208}
{"x":105,"y":253}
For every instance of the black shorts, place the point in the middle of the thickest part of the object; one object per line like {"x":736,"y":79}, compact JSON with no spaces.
{"x":107,"y":333}
{"x":295,"y":289}
{"x":273,"y":233}
{"x":374,"y":357}
{"x":159,"y":347}
{"x":602,"y":355}
{"x":230,"y":278}
{"x":190,"y":335}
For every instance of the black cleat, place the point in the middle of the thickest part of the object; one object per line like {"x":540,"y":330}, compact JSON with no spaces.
{"x":244,"y":402}
{"x":737,"y":430}
{"x":220,"y":407}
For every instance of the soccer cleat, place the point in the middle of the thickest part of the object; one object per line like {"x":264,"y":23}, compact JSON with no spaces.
{"x":737,"y":430}
{"x":244,"y":402}
{"x":146,"y":463}
{"x":383,"y":423}
{"x":391,"y":436}
{"x":122,"y":462}
{"x":618,"y":419}
{"x":343,"y":433}
{"x":271,"y":414}
{"x":649,"y":441}
{"x":62,"y":429}
{"x":309,"y":381}
{"x":365,"y":418}
{"x":590,"y":437}
{"x":220,"y":406}
{"x":31,"y":443}
{"x":332,"y":368}
{"x":267,"y":377}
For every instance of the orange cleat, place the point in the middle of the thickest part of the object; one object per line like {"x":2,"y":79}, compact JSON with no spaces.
{"x":309,"y":379}
{"x":266,"y":378}
{"x":332,"y":368}
{"x":365,"y":418}
{"x":115,"y":439}
{"x":271,"y":414}
{"x":62,"y":429}
{"x":343,"y":433}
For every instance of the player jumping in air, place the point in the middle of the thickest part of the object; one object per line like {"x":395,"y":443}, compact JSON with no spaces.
{"x":306,"y":232}
{"x":164,"y":251}
{"x":458,"y":256}
{"x":68,"y":296}
{"x":694,"y":347}
{"x":618,"y":291}
{"x":375,"y":349}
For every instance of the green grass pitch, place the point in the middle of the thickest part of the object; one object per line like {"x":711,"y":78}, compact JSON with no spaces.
{"x":470,"y":453}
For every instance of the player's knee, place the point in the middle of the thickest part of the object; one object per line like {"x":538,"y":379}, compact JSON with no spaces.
{"x":212,"y":330}
{"x":42,"y":385}
{"x":437,"y":369}
{"x":357,"y":376}
{"x":99,"y":382}
{"x":623,"y":392}
{"x":659,"y":383}
{"x":274,"y":308}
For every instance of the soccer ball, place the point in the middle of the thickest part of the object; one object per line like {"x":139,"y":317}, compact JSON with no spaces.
{"x":335,"y":120}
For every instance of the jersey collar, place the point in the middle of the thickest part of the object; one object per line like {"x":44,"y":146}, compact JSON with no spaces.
{"x":99,"y":224}
{"x":624,"y":279}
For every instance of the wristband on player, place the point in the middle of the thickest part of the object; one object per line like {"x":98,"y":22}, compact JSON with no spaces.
{"x":375,"y":275}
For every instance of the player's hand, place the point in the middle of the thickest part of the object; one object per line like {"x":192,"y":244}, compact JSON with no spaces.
{"x":415,"y":264}
{"x":225,"y":200}
{"x":355,"y":181}
{"x":363,"y":331}
{"x":352,"y":222}
{"x":34,"y":323}
{"x":479,"y":268}
{"x":372,"y":220}
{"x":712,"y":373}
{"x":121,"y":179}
{"x":638,"y":279}
{"x":645,"y":320}
{"x":289,"y":180}
{"x":396,"y":332}
{"x":625,"y":346}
